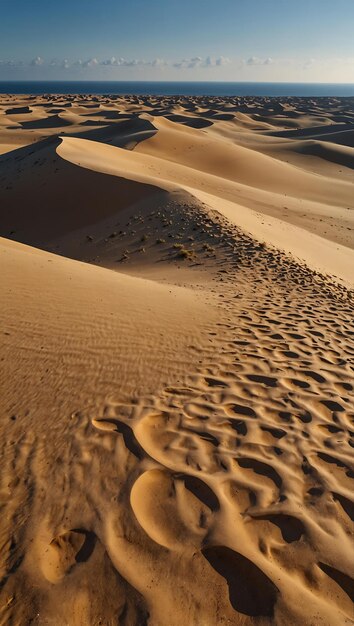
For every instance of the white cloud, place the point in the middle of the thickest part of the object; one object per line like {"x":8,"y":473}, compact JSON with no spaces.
{"x":188,"y":63}
{"x":180,"y":64}
{"x":11,"y":63}
{"x":112,"y":61}
{"x":222,"y":61}
{"x":258,"y":61}
{"x":195,"y":62}
{"x":133,"y":63}
{"x":58,"y":63}
{"x":201,"y":62}
{"x":122,"y":62}
{"x":37,"y":61}
{"x":215,"y":62}
{"x":158,"y":63}
{"x":90,"y":63}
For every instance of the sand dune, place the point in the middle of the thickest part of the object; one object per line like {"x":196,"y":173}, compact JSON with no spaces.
{"x":65,"y":197}
{"x":176,"y":361}
{"x":330,"y":257}
{"x":337,"y":133}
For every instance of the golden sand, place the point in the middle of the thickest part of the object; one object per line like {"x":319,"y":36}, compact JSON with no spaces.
{"x":176,"y":356}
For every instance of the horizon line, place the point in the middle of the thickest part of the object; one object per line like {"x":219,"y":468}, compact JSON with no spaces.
{"x":251,"y":82}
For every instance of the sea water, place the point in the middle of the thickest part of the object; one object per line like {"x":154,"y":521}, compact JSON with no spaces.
{"x":178,"y":88}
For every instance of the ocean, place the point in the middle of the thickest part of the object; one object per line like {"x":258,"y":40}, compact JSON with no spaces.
{"x":178,"y":88}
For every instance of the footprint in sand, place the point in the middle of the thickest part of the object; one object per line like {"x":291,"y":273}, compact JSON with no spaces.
{"x":174,"y":510}
{"x":65,"y":551}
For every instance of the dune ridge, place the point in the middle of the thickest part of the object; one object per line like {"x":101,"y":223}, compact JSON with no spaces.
{"x":177,"y":374}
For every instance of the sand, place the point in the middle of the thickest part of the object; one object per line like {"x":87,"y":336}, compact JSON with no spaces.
{"x":177,"y":343}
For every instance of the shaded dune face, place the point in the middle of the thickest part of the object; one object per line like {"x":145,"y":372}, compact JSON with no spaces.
{"x":250,"y":591}
{"x":176,"y":361}
{"x":60,"y":197}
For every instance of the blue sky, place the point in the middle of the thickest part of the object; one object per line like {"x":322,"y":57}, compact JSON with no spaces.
{"x":285,"y":40}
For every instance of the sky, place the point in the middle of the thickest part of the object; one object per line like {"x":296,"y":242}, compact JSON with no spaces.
{"x":196,"y":40}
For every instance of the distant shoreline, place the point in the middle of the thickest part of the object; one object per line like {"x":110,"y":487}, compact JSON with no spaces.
{"x":190,"y":88}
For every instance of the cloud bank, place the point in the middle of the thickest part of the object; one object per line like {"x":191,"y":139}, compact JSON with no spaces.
{"x":112,"y":62}
{"x":202,"y":68}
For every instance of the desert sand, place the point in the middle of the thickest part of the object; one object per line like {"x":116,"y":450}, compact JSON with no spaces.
{"x":177,"y":361}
